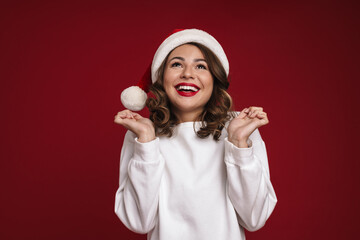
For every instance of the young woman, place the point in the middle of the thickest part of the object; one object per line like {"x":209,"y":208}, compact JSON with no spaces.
{"x":195,"y":169}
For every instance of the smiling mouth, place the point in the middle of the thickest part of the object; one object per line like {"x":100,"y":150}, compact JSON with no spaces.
{"x":186,"y":87}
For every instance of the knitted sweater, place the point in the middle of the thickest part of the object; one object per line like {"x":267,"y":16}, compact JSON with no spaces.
{"x":189,"y":188}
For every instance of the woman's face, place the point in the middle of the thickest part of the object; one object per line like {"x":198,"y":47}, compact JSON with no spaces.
{"x":187,"y":82}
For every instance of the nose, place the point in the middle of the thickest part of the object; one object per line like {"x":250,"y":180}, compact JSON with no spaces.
{"x":187,"y":73}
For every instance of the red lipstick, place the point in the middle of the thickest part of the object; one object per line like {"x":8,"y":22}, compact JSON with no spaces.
{"x":187,"y":89}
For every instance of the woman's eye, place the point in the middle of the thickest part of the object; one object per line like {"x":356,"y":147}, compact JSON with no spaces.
{"x":175,"y":64}
{"x":201,"y":66}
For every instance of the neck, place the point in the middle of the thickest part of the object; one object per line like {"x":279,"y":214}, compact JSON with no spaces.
{"x":187,"y":116}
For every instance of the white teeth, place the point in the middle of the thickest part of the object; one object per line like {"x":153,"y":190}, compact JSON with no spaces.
{"x":187,"y":88}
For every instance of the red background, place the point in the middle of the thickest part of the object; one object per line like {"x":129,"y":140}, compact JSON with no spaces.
{"x":64,"y":64}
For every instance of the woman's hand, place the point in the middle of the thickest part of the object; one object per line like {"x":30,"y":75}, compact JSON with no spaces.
{"x":142,"y":127}
{"x":241,"y":127}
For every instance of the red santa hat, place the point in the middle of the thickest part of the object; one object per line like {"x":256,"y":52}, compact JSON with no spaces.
{"x":134,"y":98}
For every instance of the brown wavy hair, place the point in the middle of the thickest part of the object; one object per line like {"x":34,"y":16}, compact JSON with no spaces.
{"x":217,"y":111}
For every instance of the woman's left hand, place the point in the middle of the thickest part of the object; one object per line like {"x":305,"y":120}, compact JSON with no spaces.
{"x":241,"y":127}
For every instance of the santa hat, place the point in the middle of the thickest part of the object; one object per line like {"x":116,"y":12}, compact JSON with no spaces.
{"x":134,"y":98}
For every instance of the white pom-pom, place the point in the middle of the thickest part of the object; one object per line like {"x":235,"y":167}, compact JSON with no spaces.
{"x":133,"y":98}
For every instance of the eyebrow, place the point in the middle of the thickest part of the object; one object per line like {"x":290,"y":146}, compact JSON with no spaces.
{"x":199,"y":60}
{"x":180,"y":58}
{"x":183,"y":59}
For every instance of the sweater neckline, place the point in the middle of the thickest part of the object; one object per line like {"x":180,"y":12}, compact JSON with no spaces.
{"x":189,"y":124}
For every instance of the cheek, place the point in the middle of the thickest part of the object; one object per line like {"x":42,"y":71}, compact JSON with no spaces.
{"x":167,"y":84}
{"x":210,"y":89}
{"x":168,"y":76}
{"x":210,"y":84}
{"x":168,"y":87}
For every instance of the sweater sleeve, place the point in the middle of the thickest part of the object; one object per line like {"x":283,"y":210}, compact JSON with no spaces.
{"x":248,"y":185}
{"x":141,"y":170}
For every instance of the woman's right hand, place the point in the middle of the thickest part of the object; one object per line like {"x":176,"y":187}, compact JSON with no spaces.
{"x":142,"y":127}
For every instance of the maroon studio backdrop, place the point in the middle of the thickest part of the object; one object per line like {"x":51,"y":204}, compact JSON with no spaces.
{"x":64,"y":64}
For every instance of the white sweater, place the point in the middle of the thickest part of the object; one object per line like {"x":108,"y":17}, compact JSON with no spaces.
{"x":189,"y":188}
